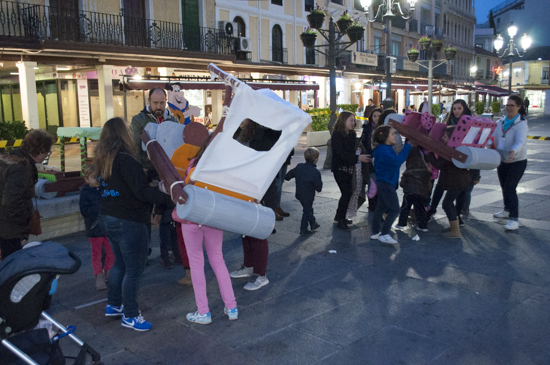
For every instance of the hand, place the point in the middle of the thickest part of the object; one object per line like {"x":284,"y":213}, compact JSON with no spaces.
{"x":365,"y":158}
{"x":476,"y":182}
{"x":156,"y":219}
{"x":162,"y":187}
{"x":510,"y":156}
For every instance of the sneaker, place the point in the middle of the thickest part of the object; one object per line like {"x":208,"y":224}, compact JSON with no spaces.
{"x":199,"y":318}
{"x":511,"y":225}
{"x":243,"y":272}
{"x":315,"y":226}
{"x":461,"y":222}
{"x":397,"y":226}
{"x":502,"y":214}
{"x":233,"y":314}
{"x":113,"y":311}
{"x":342,"y":225}
{"x":348,"y":221}
{"x":386,"y":238}
{"x":305,"y":233}
{"x":375,"y":236}
{"x":165,"y":263}
{"x":137,"y":323}
{"x":255,"y":285}
{"x":422,"y":229}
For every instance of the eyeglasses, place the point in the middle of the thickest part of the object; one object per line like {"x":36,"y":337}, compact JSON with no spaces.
{"x":511,"y":105}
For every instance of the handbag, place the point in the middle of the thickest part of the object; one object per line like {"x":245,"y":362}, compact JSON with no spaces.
{"x":34,"y":227}
{"x":371,"y":192}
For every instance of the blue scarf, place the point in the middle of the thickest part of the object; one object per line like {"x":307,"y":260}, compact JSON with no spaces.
{"x":507,"y":124}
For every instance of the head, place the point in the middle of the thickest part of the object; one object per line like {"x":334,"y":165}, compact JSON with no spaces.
{"x":38,"y":144}
{"x":384,"y":134}
{"x":425,"y":99}
{"x":415,"y":160}
{"x":374,"y":117}
{"x":157,"y":101}
{"x":388,"y":103}
{"x":90,"y":176}
{"x":115,"y":137}
{"x":448,"y":133}
{"x":345,"y":122}
{"x":371,"y":102}
{"x":311,"y":154}
{"x":460,"y":108}
{"x":514,"y":106}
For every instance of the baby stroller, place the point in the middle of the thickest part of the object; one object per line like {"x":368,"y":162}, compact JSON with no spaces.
{"x":28,"y":278}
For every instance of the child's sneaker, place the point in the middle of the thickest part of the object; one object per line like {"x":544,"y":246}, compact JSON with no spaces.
{"x":315,"y":226}
{"x":243,"y":272}
{"x":233,"y":314}
{"x":137,"y":323}
{"x":386,"y":238}
{"x":422,"y":229}
{"x":255,"y":285}
{"x":375,"y":236}
{"x":200,"y":318}
{"x":397,"y":226}
{"x":113,"y":311}
{"x":307,"y":232}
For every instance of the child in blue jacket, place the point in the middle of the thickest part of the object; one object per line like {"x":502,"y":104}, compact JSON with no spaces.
{"x":308,"y":180}
{"x":386,"y":164}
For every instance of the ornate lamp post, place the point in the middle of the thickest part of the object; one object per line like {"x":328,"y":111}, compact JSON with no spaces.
{"x":387,"y":10}
{"x":509,"y":50}
{"x":432,"y":47}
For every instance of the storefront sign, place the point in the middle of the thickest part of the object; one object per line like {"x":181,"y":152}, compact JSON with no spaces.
{"x":410,"y":66}
{"x":83,"y":103}
{"x":362,"y":58}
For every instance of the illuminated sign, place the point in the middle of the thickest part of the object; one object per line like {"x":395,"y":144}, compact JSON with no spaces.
{"x":498,"y":70}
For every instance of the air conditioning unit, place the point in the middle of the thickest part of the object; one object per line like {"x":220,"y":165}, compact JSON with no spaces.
{"x":230,"y":29}
{"x":245,"y":45}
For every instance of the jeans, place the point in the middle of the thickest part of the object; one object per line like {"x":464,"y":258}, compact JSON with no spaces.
{"x":345,"y":183}
{"x":418,"y":202}
{"x":509,"y":175}
{"x":307,"y":215}
{"x":280,"y":179}
{"x":255,"y":252}
{"x":449,"y":204}
{"x":97,"y":244}
{"x":130,"y":243}
{"x":388,"y":203}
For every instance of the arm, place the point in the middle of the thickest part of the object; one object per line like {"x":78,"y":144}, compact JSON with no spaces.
{"x":318,"y":182}
{"x":13,"y":197}
{"x":291,"y":174}
{"x":137,"y":127}
{"x":87,"y":208}
{"x":521,"y":137}
{"x":437,"y":163}
{"x":348,"y":157}
{"x":402,"y":156}
{"x":135,"y":178}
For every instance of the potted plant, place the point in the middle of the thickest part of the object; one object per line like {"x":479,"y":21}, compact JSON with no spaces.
{"x":437,"y":44}
{"x":424,"y":43}
{"x":308,"y":37}
{"x":355,"y":32}
{"x":412,"y":54}
{"x":344,"y":22}
{"x":450,"y":53}
{"x":316,"y":18}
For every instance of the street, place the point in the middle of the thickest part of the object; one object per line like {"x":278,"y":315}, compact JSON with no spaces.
{"x":483,"y":299}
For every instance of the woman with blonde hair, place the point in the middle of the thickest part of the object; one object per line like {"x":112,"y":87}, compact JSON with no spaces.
{"x":125,"y":205}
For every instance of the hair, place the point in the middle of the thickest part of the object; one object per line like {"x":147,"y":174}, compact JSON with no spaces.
{"x":519,"y":102}
{"x":449,"y":130}
{"x":90,"y":170}
{"x":371,"y":100}
{"x":201,"y":150}
{"x":247,"y":132}
{"x":467,"y":110}
{"x":415,"y":161}
{"x":151,"y":92}
{"x":381,"y":134}
{"x":36,"y":142}
{"x":340,"y":125}
{"x":311,"y":154}
{"x":115,"y":137}
{"x":379,"y":110}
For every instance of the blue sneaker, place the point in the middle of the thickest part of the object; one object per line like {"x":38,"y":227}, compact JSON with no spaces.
{"x":233,"y":314}
{"x":113,"y":311}
{"x":137,"y":323}
{"x":199,"y":318}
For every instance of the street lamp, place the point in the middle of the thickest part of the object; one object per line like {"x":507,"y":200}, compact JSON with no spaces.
{"x":509,"y":50}
{"x":386,"y":11}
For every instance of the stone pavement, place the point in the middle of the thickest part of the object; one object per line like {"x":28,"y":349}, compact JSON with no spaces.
{"x":484,"y":299}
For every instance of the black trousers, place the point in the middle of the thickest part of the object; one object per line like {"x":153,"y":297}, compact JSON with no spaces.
{"x":9,"y":246}
{"x":509,"y":175}
{"x":417,"y":202}
{"x":345,"y":183}
{"x":436,"y":197}
{"x":449,"y":204}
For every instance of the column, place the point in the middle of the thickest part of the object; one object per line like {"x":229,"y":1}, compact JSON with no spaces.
{"x":547,"y":102}
{"x":105,"y":85}
{"x":27,"y":88}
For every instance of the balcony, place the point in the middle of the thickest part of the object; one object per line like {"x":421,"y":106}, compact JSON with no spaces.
{"x":37,"y":22}
{"x":434,"y":32}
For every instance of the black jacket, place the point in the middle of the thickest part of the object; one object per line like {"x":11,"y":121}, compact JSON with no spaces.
{"x":90,"y":199}
{"x":417,"y":181}
{"x":127,"y":194}
{"x":343,"y":150}
{"x":450,"y":177}
{"x":308,"y":180}
{"x":17,"y":178}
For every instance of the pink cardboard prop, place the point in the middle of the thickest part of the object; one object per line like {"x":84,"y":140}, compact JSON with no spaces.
{"x":428,"y":121}
{"x":437,"y":131}
{"x":472,"y":132}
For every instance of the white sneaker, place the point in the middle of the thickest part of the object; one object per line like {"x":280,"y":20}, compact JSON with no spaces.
{"x":502,"y":214}
{"x":255,"y":285}
{"x":397,"y":226}
{"x":387,"y":239}
{"x":375,"y":236}
{"x":243,"y":272}
{"x":511,"y":225}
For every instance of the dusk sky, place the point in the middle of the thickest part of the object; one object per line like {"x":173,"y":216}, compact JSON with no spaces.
{"x":483,"y":7}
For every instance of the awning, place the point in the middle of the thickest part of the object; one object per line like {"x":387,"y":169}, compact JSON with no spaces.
{"x":490,"y":90}
{"x":217,"y":85}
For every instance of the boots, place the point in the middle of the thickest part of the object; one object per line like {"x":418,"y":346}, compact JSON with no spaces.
{"x":187,"y":279}
{"x":454,"y":231}
{"x":281,"y":212}
{"x":100,"y":282}
{"x":278,"y":217}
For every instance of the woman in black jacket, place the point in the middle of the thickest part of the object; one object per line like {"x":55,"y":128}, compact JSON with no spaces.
{"x":366,"y":141}
{"x":18,"y":175}
{"x":344,"y":159}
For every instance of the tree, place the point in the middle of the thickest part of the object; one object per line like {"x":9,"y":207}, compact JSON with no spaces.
{"x":492,"y":22}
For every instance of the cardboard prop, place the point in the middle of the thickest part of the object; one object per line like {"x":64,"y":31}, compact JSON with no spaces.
{"x":179,"y":105}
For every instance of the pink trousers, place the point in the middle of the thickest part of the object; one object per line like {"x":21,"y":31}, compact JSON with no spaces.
{"x":97,"y":243}
{"x":213,"y":240}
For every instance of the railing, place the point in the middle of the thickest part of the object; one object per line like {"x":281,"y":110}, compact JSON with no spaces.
{"x":62,"y":24}
{"x":435,"y":32}
{"x":279,"y":54}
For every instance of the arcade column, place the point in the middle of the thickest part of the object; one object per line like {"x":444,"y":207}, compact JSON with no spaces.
{"x":105,"y":86}
{"x":27,"y":87}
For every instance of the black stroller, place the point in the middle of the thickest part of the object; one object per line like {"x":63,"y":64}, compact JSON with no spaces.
{"x":28,"y":278}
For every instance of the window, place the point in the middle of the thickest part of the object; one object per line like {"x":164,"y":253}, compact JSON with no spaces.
{"x":360,"y":46}
{"x":309,"y":5}
{"x":277,"y":43}
{"x":310,"y":56}
{"x":277,"y":2}
{"x":544,"y":74}
{"x":394,"y":48}
{"x":377,"y":45}
{"x":341,"y":2}
{"x":241,"y":31}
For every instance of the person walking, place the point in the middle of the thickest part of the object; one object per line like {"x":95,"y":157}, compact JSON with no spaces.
{"x":126,"y":202}
{"x":510,"y":140}
{"x":366,"y":141}
{"x":526,"y":104}
{"x":368,"y":109}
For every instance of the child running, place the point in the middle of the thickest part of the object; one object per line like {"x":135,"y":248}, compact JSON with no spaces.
{"x":308,"y":180}
{"x":90,"y":197}
{"x":386,"y":165}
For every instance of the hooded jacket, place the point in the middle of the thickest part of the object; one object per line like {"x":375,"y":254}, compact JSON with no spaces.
{"x":417,"y":176}
{"x":515,"y":139}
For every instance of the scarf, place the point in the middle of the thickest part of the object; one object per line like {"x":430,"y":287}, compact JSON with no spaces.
{"x":507,"y":124}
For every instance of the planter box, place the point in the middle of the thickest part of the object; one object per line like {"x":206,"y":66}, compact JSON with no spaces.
{"x":308,"y":40}
{"x":437,"y":47}
{"x":319,"y":138}
{"x":355,"y":34}
{"x":449,"y":55}
{"x":425,"y":45}
{"x":412,"y":56}
{"x":343,"y":24}
{"x":316,"y":20}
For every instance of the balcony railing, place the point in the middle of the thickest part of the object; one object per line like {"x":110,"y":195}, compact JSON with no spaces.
{"x":62,"y":24}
